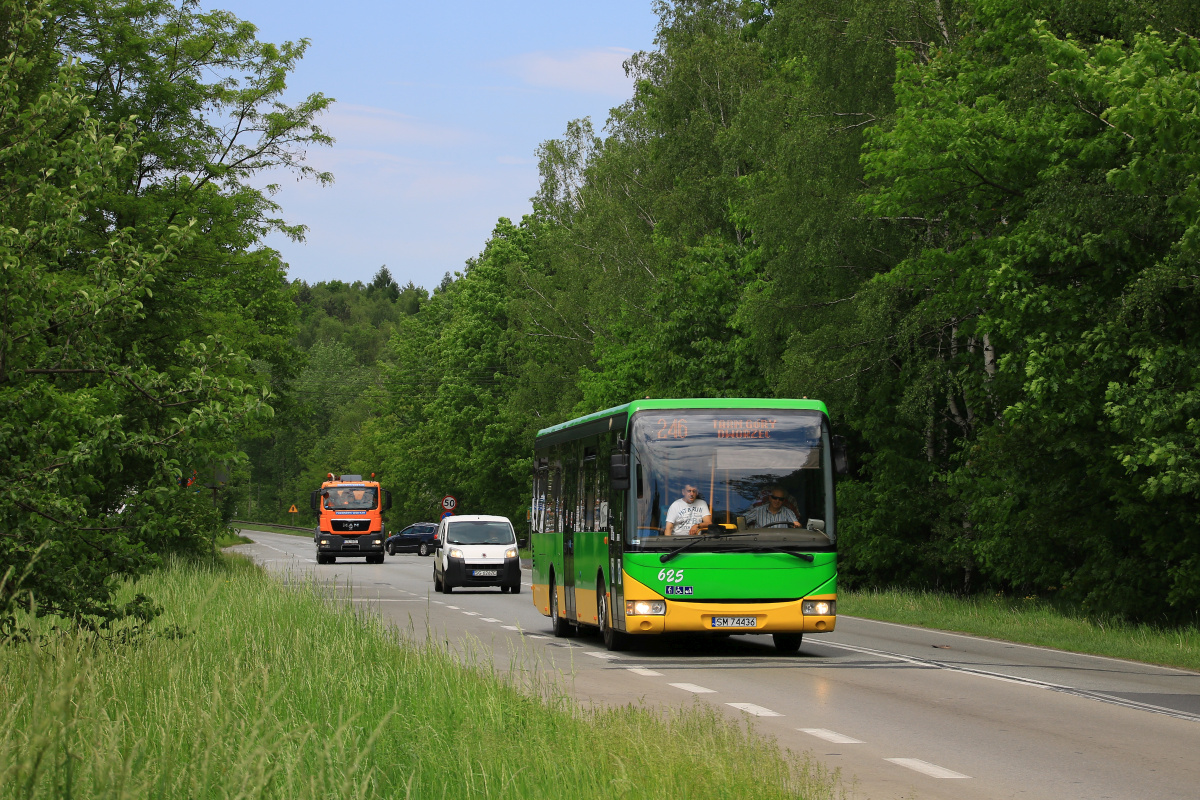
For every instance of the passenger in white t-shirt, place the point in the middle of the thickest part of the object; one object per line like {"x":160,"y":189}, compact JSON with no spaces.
{"x":687,"y":514}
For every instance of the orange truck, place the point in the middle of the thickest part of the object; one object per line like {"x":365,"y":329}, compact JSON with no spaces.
{"x":350,"y":512}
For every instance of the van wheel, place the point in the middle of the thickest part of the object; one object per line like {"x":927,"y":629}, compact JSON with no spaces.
{"x":446,"y":587}
{"x":561,"y":627}
{"x":437,"y":582}
{"x":788,"y":642}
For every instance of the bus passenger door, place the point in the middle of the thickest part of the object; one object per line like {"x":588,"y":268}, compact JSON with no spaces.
{"x":569,"y":567}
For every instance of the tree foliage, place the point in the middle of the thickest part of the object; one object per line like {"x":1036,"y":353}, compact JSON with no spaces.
{"x":135,"y":299}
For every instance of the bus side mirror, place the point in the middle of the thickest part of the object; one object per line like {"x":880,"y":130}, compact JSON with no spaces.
{"x":387,"y":501}
{"x":618,"y":471}
{"x":841,"y":461}
{"x":314,"y":500}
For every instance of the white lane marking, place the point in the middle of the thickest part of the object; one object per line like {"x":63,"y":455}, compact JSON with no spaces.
{"x":510,"y":627}
{"x":439,"y":602}
{"x":605,"y":656}
{"x":383,"y":600}
{"x":830,"y":736}
{"x":454,"y":607}
{"x":693,"y":688}
{"x":649,"y":673}
{"x":925,"y":662}
{"x":536,"y":636}
{"x":925,"y":768}
{"x":276,"y":549}
{"x":757,"y":711}
{"x":488,"y":619}
{"x":1016,"y":644}
{"x":468,"y":613}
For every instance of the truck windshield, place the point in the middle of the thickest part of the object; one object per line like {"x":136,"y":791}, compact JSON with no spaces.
{"x":350,"y":498}
{"x":763,"y":475}
{"x":479,"y":532}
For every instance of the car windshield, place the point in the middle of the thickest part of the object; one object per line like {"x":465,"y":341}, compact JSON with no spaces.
{"x":762,"y":475}
{"x":479,"y":532}
{"x":350,"y":498}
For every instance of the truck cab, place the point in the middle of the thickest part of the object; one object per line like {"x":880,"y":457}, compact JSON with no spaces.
{"x":350,"y":513}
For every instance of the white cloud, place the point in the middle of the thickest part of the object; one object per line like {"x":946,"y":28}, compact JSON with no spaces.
{"x":599,"y":71}
{"x":366,"y":125}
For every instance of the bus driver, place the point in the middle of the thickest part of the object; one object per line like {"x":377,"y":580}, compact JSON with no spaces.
{"x":688,"y":514}
{"x":774,"y":513}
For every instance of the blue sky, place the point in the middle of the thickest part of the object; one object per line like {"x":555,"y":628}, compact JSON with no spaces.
{"x":440,"y":109}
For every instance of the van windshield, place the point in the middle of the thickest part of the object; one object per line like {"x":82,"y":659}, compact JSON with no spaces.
{"x":479,"y":532}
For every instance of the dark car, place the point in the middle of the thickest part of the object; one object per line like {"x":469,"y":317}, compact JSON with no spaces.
{"x":418,"y":536}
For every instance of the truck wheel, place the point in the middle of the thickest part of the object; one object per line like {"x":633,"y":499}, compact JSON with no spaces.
{"x":423,"y":549}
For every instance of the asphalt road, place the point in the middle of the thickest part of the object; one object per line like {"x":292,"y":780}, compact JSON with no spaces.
{"x":901,"y":711}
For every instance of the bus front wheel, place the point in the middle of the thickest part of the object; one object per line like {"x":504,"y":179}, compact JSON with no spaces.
{"x":560,"y":626}
{"x":613,"y":638}
{"x":788,"y":642}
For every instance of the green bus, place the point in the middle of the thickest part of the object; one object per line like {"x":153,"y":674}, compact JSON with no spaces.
{"x":621,"y":541}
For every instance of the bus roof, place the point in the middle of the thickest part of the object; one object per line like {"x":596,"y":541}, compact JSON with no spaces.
{"x":629,"y":409}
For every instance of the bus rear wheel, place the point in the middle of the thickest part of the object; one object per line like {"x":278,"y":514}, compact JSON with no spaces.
{"x":788,"y":642}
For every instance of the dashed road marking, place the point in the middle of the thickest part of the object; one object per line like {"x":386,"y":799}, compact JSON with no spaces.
{"x":649,"y":673}
{"x":470,"y":613}
{"x":454,"y":607}
{"x":693,"y":688}
{"x":510,"y":627}
{"x":488,"y":619}
{"x":536,"y":636}
{"x":830,"y":736}
{"x":605,"y":656}
{"x":757,"y":711}
{"x":925,"y":768}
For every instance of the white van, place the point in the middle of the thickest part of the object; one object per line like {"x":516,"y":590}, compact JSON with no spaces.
{"x":476,"y":550}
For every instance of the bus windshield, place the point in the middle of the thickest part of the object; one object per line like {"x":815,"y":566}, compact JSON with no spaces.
{"x":350,"y":498}
{"x":762,"y":475}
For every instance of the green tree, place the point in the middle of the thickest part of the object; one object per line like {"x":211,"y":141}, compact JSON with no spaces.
{"x":95,"y":433}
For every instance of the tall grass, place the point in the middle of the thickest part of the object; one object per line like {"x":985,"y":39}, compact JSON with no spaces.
{"x":1029,"y":621}
{"x":254,"y":690}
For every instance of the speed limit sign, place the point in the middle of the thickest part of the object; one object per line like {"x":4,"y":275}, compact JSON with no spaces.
{"x":449,"y":503}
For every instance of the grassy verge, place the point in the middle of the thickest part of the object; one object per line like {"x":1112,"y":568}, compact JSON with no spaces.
{"x":269,"y":528}
{"x":1028,"y":621}
{"x":230,"y":539}
{"x":247,"y":688}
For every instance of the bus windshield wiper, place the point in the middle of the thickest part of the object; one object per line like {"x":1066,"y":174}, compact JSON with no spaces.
{"x":665,"y":557}
{"x":802,"y":556}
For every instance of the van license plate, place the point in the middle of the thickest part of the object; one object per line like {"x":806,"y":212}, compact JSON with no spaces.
{"x":734,"y":622}
{"x":484,"y":573}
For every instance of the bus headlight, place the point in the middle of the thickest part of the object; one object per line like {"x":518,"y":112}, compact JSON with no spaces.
{"x":644,"y":608}
{"x":818,"y":608}
{"x":456,"y":553}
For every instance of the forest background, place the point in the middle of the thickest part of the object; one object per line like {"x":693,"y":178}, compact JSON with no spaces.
{"x":971,"y":228}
